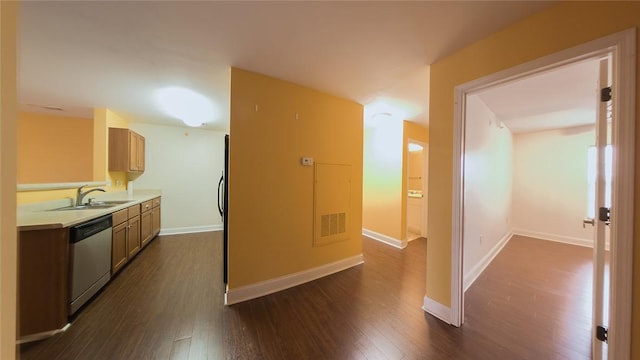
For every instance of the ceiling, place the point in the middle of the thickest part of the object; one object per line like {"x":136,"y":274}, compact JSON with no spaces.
{"x":77,"y":55}
{"x":559,"y":98}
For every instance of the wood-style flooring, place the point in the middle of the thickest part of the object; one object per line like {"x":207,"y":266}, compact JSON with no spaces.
{"x":532,"y":302}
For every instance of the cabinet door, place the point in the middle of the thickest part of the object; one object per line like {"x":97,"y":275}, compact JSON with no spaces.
{"x":136,"y":152}
{"x":119,"y":149}
{"x":133,"y":238}
{"x":140,"y":152}
{"x":118,"y":247}
{"x":146,"y":227}
{"x":155,"y":220}
{"x":133,"y":151}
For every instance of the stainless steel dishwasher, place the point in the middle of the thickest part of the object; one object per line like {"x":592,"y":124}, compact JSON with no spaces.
{"x":90,"y":244}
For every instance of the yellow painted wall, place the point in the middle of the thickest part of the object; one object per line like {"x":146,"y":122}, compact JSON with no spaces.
{"x":420,"y":133}
{"x":26,"y":197}
{"x":385,"y":182}
{"x":98,"y":166}
{"x":415,"y":170}
{"x":115,"y":119}
{"x":8,"y":164}
{"x":118,"y":179}
{"x":557,"y":28}
{"x":54,"y":149}
{"x":382,"y":187}
{"x":270,"y":193}
{"x":100,"y":143}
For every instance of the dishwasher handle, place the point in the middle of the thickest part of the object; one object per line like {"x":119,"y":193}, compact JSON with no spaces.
{"x":89,"y":228}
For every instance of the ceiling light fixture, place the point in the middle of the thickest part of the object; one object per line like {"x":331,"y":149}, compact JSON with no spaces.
{"x":384,"y":110}
{"x":193,"y":108}
{"x":382,"y":115}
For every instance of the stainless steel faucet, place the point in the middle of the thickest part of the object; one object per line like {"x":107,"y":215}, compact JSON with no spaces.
{"x":80,"y":195}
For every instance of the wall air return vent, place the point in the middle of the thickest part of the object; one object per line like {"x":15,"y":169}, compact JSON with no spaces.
{"x":333,"y":224}
{"x":332,"y":203}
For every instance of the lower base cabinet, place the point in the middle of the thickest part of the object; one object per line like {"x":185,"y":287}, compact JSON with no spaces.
{"x":150,"y":220}
{"x":118,"y":247}
{"x":43,"y":280}
{"x":125,"y":241}
{"x":133,"y":228}
{"x":44,"y":266}
{"x":146,"y":224}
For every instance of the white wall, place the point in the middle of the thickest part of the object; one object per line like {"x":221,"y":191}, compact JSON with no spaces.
{"x":487,"y":188}
{"x":186,"y":164}
{"x":550,"y":184}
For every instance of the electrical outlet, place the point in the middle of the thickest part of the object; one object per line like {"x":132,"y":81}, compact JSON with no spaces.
{"x":480,"y":239}
{"x":306,"y":161}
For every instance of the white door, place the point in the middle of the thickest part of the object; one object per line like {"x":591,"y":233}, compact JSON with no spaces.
{"x":602,"y":206}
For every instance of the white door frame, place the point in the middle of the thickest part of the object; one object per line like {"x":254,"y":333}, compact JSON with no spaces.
{"x":622,"y":47}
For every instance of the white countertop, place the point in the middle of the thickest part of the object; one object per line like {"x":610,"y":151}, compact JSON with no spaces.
{"x":39,"y":216}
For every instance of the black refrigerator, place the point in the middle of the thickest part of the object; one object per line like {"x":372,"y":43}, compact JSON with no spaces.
{"x":223,"y":208}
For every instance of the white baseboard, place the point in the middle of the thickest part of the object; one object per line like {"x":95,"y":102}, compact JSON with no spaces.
{"x":471,"y":276}
{"x":42,"y":335}
{"x":267,"y":287}
{"x":552,"y":237}
{"x":436,"y":309}
{"x":400,"y":244}
{"x":190,"y":229}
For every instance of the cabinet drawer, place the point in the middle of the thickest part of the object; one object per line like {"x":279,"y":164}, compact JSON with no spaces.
{"x":147,"y":205}
{"x":119,"y":217}
{"x":134,"y":210}
{"x":156,"y":202}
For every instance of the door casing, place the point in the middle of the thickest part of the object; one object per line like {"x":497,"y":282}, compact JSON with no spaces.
{"x":621,"y":47}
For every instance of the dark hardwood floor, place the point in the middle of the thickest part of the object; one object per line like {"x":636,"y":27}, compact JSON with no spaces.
{"x":167,"y":303}
{"x":532,"y":302}
{"x":535,"y":298}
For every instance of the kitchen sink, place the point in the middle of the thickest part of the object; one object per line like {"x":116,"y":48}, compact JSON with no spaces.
{"x":84,"y":207}
{"x":108,"y":202}
{"x":94,"y":205}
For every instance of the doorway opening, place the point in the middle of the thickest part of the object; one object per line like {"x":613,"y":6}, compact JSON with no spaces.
{"x":525,"y":199}
{"x":416,"y":180}
{"x":620,"y":48}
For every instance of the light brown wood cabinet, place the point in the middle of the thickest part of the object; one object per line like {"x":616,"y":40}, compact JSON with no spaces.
{"x":126,"y":150}
{"x":118,"y":247}
{"x":150,"y":220}
{"x":43,"y":278}
{"x":133,"y":238}
{"x":155,"y":216}
{"x":126,"y":236}
{"x":44,"y":265}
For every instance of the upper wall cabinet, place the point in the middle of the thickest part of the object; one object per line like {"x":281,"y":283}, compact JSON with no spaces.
{"x":126,"y":150}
